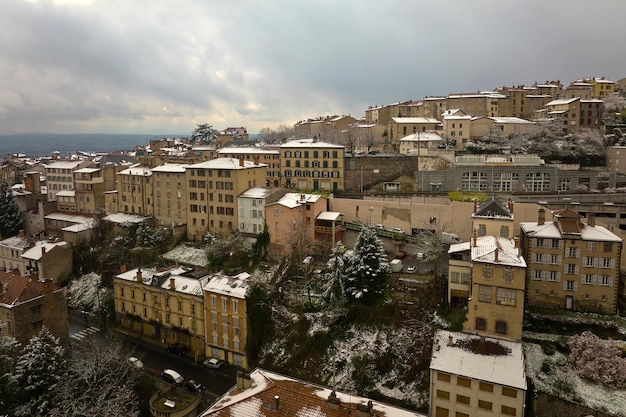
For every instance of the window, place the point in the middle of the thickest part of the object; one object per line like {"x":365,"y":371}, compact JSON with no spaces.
{"x":504,"y":231}
{"x":607,"y":247}
{"x":486,"y":405}
{"x":482,"y":230}
{"x":588,"y":279}
{"x":443,"y":377}
{"x":554,"y":259}
{"x":484,"y":386}
{"x":443,"y":394}
{"x":463,"y":399}
{"x":591,"y":246}
{"x":572,"y":252}
{"x":509,"y":411}
{"x":460,"y":414}
{"x":538,"y":258}
{"x":508,"y":275}
{"x":553,"y":276}
{"x":606,"y":281}
{"x":501,"y":327}
{"x":484,"y":293}
{"x":589,"y":262}
{"x":506,"y":297}
{"x":481,"y":324}
{"x":463,"y":382}
{"x":441,"y":412}
{"x":539,"y":243}
{"x":607,"y":263}
{"x":571,"y":269}
{"x":509,"y":392}
{"x":536,"y":274}
{"x":487,"y":271}
{"x":570,"y":285}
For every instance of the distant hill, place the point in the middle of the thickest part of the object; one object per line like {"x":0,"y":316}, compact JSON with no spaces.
{"x":42,"y":144}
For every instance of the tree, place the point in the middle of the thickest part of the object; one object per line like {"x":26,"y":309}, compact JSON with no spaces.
{"x":597,"y":359}
{"x":100,"y":378}
{"x":38,"y":371}
{"x":614,"y":103}
{"x":259,"y":320}
{"x":11,"y":220}
{"x":9,"y":351}
{"x":366,"y":268}
{"x":259,"y":248}
{"x":234,"y":251}
{"x":334,"y":289}
{"x":204,"y":134}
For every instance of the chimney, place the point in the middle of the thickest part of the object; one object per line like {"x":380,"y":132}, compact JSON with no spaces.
{"x":542,"y":216}
{"x":511,"y":204}
{"x":302,"y":198}
{"x":21,"y":233}
{"x":314,"y":139}
{"x":450,"y":341}
{"x":333,"y":401}
{"x":591,"y":219}
{"x":241,"y":162}
{"x":255,"y":158}
{"x":139,"y":279}
{"x":122,"y":268}
{"x":43,"y":250}
{"x":364,"y":410}
{"x":243,"y":380}
{"x":475,"y":205}
{"x":496,"y":255}
{"x":276,"y":402}
{"x":172,"y":283}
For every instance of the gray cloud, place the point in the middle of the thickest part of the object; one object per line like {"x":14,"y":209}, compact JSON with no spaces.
{"x":163,"y":66}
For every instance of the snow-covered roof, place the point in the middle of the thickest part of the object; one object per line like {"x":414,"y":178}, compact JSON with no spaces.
{"x":415,"y":120}
{"x":309,"y":143}
{"x":247,"y":150}
{"x":165,"y":279}
{"x":18,"y":242}
{"x":422,"y":137}
{"x":292,"y":200}
{"x":459,"y":247}
{"x":80,"y":227}
{"x":136,"y":170}
{"x":87,"y":170}
{"x":551,"y":230}
{"x":496,"y":250}
{"x":36,"y":253}
{"x":176,"y":168}
{"x":125,"y":218}
{"x":505,"y":370}
{"x":63,"y":164}
{"x":66,"y":193}
{"x":233,"y":286}
{"x":562,"y":101}
{"x":296,"y":398}
{"x":187,"y":255}
{"x":256,"y":192}
{"x":511,"y":120}
{"x":226,"y":163}
{"x":69,"y":218}
{"x":329,"y":215}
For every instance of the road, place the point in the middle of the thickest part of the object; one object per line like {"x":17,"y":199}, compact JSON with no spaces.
{"x":155,"y":359}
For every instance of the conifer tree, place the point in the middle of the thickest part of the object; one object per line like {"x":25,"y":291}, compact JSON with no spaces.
{"x":11,"y":220}
{"x":366,"y":268}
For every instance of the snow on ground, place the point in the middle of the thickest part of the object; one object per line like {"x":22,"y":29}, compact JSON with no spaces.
{"x":188,"y":255}
{"x":592,"y":394}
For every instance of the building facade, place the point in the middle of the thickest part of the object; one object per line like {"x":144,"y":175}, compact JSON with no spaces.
{"x":170,"y":195}
{"x":134,"y":189}
{"x":60,"y":176}
{"x":309,"y":164}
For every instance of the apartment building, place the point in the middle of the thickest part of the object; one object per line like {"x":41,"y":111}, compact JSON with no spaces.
{"x":225,"y":312}
{"x":134,"y":190}
{"x":481,"y":126}
{"x":11,"y":251}
{"x":309,"y":164}
{"x":166,"y":306}
{"x":27,"y":304}
{"x":571,"y":265}
{"x":459,"y":273}
{"x":564,"y":113}
{"x":399,"y":127}
{"x":496,"y":306}
{"x":213,"y":187}
{"x":476,"y":376}
{"x":591,"y":114}
{"x":49,"y":260}
{"x":492,"y":218}
{"x":89,"y":190}
{"x":477,"y":104}
{"x":456,"y":127}
{"x":420,"y":143}
{"x":601,"y":87}
{"x":252,"y":204}
{"x":170,"y":195}
{"x":269,"y":157}
{"x":60,"y":176}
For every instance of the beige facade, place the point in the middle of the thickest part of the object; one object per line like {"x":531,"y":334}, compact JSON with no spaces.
{"x":564,"y":113}
{"x":226,"y":312}
{"x":616,"y":159}
{"x":457,"y":127}
{"x":591,"y":114}
{"x":366,"y":137}
{"x":213,"y":187}
{"x":378,"y":115}
{"x":11,"y":251}
{"x":465,"y":380}
{"x":59,"y":176}
{"x":478,"y":104}
{"x":166,"y":306}
{"x":571,"y":265}
{"x":399,"y":127}
{"x":89,"y":190}
{"x":309,"y":164}
{"x":49,"y":260}
{"x":170,"y":195}
{"x":134,"y":188}
{"x":269,"y":157}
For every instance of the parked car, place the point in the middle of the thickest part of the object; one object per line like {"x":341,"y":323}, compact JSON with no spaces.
{"x":397,"y":230}
{"x":171,"y":376}
{"x":379,"y":227}
{"x":411,"y":269}
{"x":420,"y":255}
{"x":178,"y":348}
{"x":193,"y":386}
{"x":136,"y":362}
{"x":212,"y":363}
{"x":401,"y":255}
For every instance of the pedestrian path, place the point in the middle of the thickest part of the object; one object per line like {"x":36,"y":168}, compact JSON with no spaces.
{"x":84,"y":333}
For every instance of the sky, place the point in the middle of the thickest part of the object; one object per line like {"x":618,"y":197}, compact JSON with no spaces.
{"x":165,"y":66}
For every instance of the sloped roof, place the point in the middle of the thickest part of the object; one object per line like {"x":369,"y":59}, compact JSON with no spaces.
{"x":20,"y":289}
{"x":294,"y":398}
{"x":492,"y":208}
{"x":496,"y":250}
{"x":573,"y":226}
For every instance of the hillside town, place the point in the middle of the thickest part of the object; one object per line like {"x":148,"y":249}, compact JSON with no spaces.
{"x":474,"y":241}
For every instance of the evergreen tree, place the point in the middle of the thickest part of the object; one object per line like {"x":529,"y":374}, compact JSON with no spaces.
{"x":11,"y":220}
{"x":38,"y":372}
{"x":367,"y":267}
{"x":334,"y":288}
{"x":204,"y":134}
{"x":9,"y":350}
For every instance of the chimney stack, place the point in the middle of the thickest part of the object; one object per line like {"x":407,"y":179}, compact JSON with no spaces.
{"x":21,"y":233}
{"x":450,"y":341}
{"x":333,"y":401}
{"x":122,"y":268}
{"x":542,"y":216}
{"x":255,"y":158}
{"x":241,"y":162}
{"x":43,"y":250}
{"x":139,"y":274}
{"x":243,"y":380}
{"x":511,"y":204}
{"x":314,"y":139}
{"x":276,"y":402}
{"x":172,"y":283}
{"x":475,"y":205}
{"x":496,"y":254}
{"x":591,"y":219}
{"x":364,"y":410}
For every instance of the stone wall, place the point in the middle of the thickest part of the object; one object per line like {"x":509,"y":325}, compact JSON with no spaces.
{"x":546,"y":405}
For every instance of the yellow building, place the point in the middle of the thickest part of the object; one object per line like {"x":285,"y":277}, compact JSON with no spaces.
{"x":170,"y":195}
{"x":477,"y":104}
{"x":166,"y":306}
{"x":476,"y":376}
{"x":134,"y":189}
{"x":309,"y":164}
{"x":269,"y":157}
{"x":399,"y":127}
{"x":457,"y":127}
{"x":213,"y":187}
{"x":459,"y":274}
{"x":225,"y":310}
{"x":496,"y":306}
{"x":89,"y":190}
{"x":564,"y":113}
{"x":571,"y":264}
{"x":601,"y":86}
{"x":492,"y":218}
{"x":59,"y":176}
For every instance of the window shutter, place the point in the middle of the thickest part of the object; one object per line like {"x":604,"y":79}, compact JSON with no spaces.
{"x":558,"y":276}
{"x":595,"y":262}
{"x":612,"y":264}
{"x":585,"y":260}
{"x":610,"y":282}
{"x":543,"y":275}
{"x":560,"y":244}
{"x":559,"y":260}
{"x":578,"y":252}
{"x":575,"y":285}
{"x":576,"y":268}
{"x":564,"y":285}
{"x":594,"y":279}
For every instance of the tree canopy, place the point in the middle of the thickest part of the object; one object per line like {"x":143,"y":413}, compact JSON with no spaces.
{"x":366,"y":268}
{"x":204,"y":134}
{"x":11,"y":220}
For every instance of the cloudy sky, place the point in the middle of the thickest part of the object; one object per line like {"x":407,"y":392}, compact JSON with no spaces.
{"x":162,"y":67}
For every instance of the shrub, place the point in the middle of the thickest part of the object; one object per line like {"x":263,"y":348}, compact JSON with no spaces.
{"x":597,"y":359}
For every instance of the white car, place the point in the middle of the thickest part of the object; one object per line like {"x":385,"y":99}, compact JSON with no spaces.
{"x":171,"y":376}
{"x":136,"y":362}
{"x":212,"y":363}
{"x":411,"y":269}
{"x":397,"y":230}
